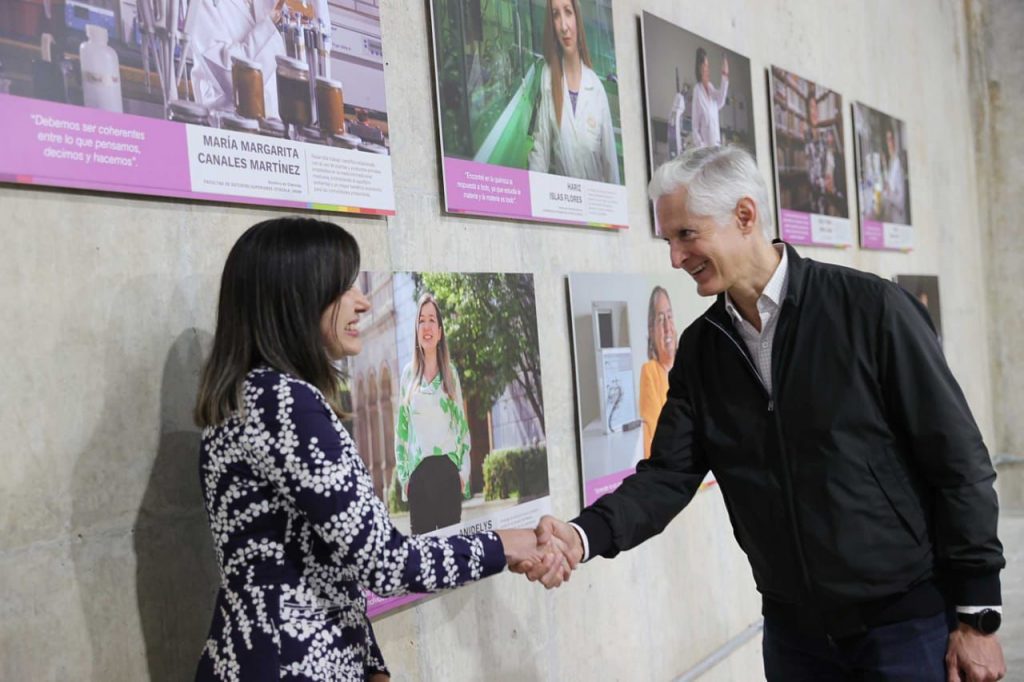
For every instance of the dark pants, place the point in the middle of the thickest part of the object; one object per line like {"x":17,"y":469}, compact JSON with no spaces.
{"x":911,"y":650}
{"x":435,"y":496}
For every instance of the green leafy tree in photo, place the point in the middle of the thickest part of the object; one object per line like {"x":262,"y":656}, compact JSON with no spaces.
{"x":491,"y":325}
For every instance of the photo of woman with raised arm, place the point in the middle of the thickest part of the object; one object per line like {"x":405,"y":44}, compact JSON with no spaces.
{"x":707,"y":101}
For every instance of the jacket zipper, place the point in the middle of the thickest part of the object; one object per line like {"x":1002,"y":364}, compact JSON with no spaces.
{"x":750,"y":364}
{"x":787,"y":482}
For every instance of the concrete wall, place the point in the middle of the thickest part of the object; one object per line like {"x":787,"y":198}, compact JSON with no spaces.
{"x":107,"y":305}
{"x":997,"y":96}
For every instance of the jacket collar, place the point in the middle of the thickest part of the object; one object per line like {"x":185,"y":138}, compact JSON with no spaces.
{"x":794,"y":290}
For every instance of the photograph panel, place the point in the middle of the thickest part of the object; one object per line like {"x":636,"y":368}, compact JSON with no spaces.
{"x":447,"y":402}
{"x":883,"y":180}
{"x":810,"y":161}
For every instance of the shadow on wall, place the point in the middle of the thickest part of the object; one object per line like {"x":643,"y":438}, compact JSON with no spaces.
{"x":136,"y":512}
{"x":176,"y":570}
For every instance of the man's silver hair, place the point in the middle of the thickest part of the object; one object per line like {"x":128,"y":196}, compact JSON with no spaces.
{"x":715,"y":178}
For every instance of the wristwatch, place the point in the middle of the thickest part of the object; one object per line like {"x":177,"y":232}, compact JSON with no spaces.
{"x":986,"y":621}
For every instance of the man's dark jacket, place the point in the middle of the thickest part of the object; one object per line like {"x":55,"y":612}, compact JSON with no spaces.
{"x":860,"y":477}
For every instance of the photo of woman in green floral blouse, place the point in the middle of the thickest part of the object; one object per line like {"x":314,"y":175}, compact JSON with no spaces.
{"x":432,"y":433}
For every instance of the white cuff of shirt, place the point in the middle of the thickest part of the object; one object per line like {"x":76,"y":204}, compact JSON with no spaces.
{"x":978,"y":609}
{"x":586,"y":543}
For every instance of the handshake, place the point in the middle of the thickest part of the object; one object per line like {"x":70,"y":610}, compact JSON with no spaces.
{"x":549,"y":553}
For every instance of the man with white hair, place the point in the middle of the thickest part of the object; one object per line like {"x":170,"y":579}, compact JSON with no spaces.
{"x":856,"y":479}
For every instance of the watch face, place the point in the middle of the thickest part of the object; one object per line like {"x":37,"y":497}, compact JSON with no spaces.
{"x":989,"y":621}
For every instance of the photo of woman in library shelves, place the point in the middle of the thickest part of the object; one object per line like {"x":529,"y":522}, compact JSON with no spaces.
{"x":810,"y":162}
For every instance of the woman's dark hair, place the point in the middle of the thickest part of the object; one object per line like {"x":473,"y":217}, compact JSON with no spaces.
{"x":279,"y":278}
{"x":702,"y":54}
{"x":890,"y":129}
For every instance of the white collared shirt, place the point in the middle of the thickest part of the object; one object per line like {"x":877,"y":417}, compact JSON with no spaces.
{"x":759,"y":343}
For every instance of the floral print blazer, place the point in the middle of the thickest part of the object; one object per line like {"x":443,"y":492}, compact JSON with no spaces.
{"x":300,"y":537}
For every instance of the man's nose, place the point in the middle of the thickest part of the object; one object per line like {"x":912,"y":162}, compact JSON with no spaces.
{"x":677,"y":254}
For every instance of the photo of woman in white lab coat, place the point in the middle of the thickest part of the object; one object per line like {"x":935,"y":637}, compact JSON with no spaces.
{"x":573,"y":133}
{"x":707,"y":100}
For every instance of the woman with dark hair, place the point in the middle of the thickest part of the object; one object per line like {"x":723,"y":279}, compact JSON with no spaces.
{"x":705,"y":130}
{"x":432,"y":433}
{"x":299,"y":534}
{"x":573,"y":135}
{"x":661,"y":354}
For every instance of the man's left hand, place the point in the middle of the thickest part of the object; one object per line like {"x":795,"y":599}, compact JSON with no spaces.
{"x":974,"y":657}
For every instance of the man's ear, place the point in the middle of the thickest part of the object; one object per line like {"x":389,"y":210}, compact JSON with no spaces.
{"x":746,"y":215}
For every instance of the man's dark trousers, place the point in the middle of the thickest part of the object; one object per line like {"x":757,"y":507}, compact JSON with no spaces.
{"x":911,"y":650}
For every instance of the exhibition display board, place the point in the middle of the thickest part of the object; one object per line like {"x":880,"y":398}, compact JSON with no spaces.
{"x":625,"y":330}
{"x":282,"y":103}
{"x":521,"y":137}
{"x":697,"y":93}
{"x":810,"y":161}
{"x":250,"y":101}
{"x":883,"y":180}
{"x":462,"y":449}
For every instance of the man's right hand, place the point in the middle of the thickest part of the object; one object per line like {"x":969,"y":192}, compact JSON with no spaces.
{"x":561,"y":534}
{"x":550,"y":527}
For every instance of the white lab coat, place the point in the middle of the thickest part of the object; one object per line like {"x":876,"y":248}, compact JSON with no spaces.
{"x":224,"y":28}
{"x":895,"y":193}
{"x":582,"y":145}
{"x":675,"y":126}
{"x":705,"y":131}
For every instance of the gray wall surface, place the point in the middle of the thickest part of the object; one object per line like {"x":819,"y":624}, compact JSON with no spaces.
{"x":997,"y":99}
{"x":108,"y":304}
